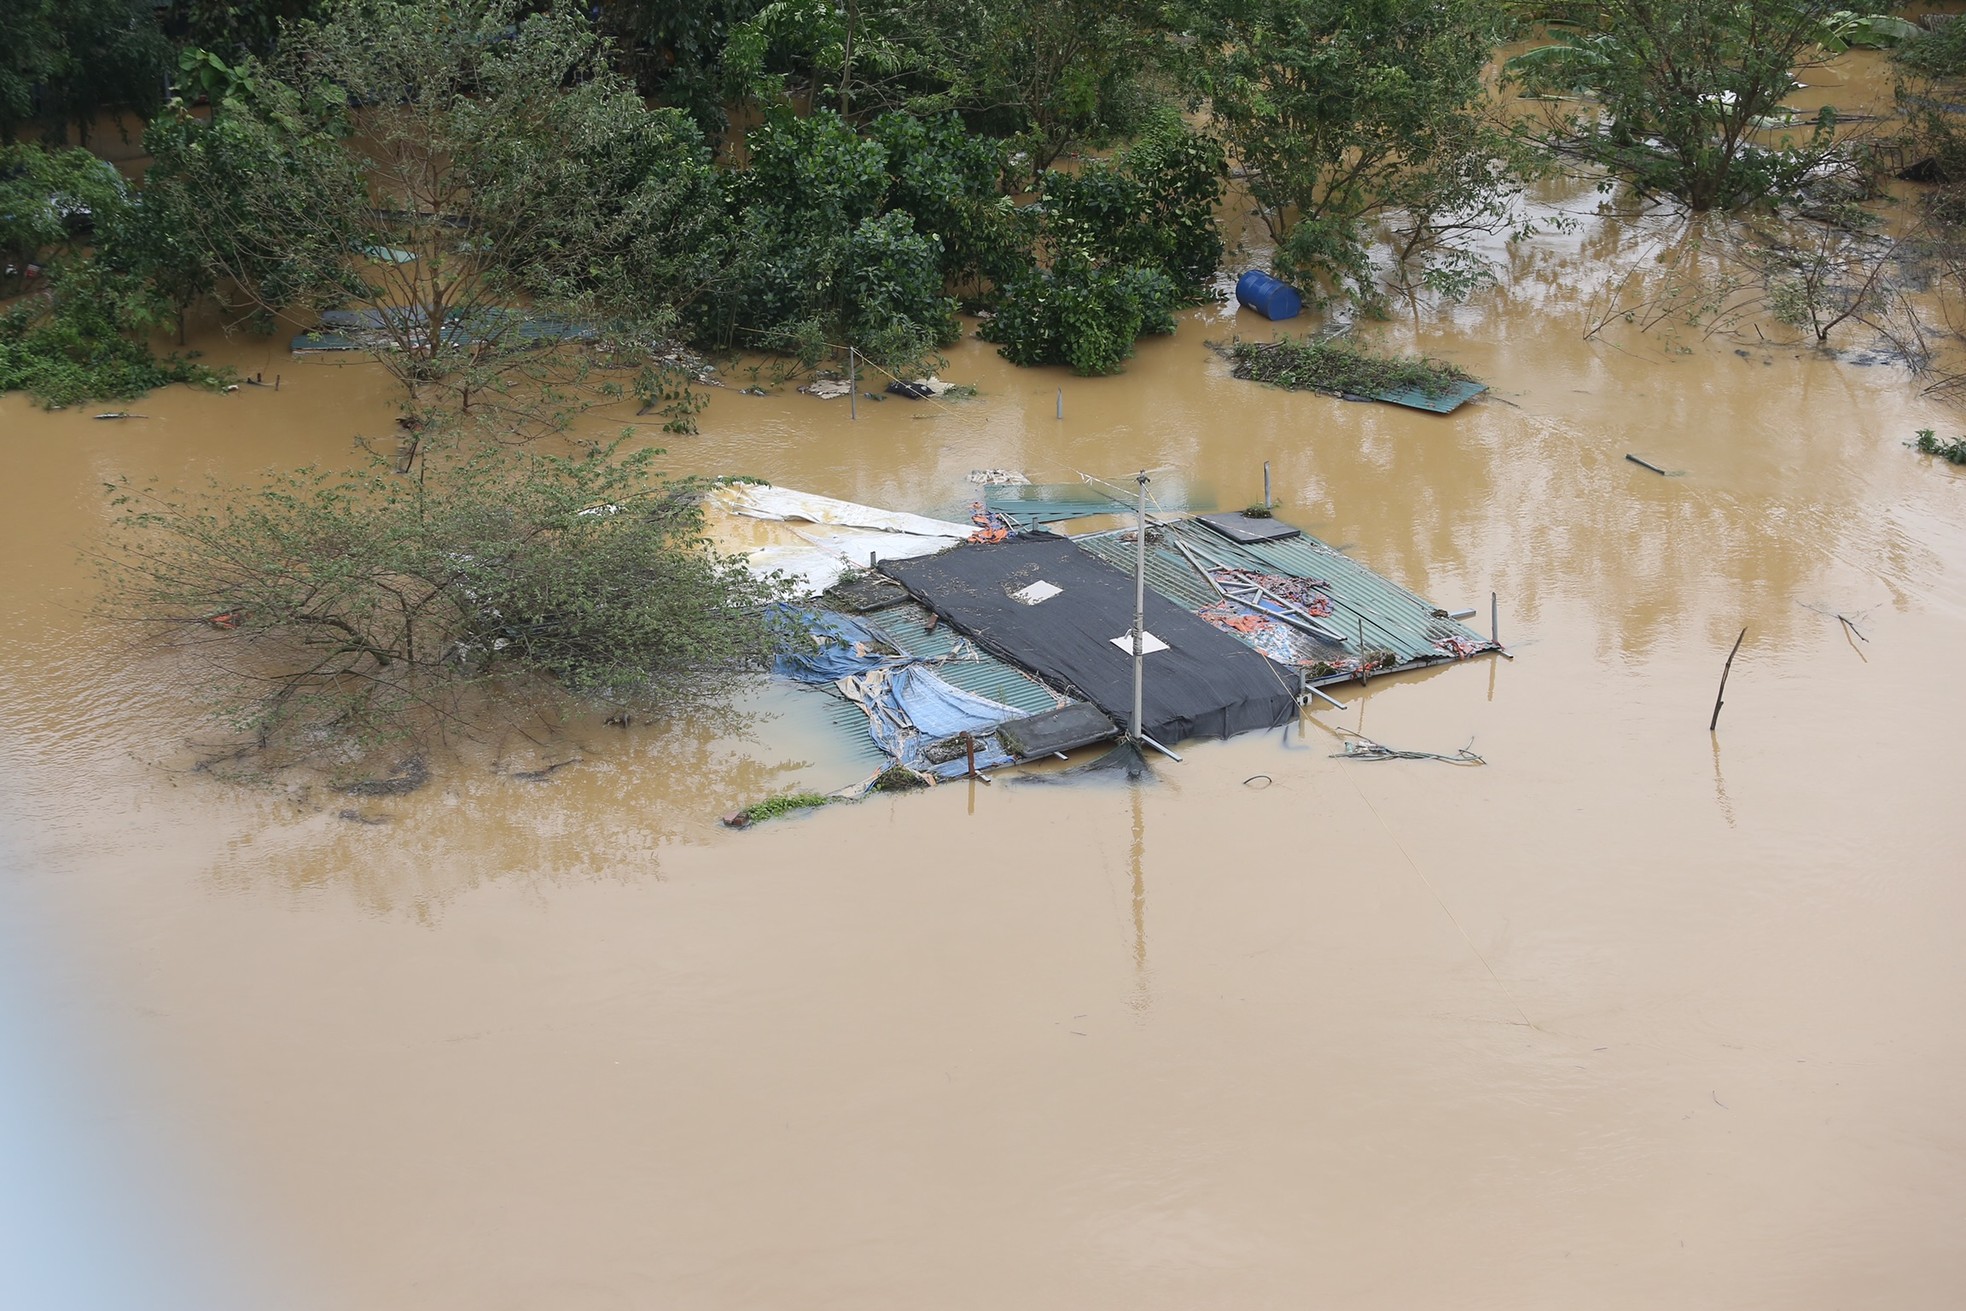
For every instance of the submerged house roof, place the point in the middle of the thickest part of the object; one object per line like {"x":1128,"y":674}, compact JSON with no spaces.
{"x":1026,"y":642}
{"x":1043,"y":604}
{"x":1362,"y":614}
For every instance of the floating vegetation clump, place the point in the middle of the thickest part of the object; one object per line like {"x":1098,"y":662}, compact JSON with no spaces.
{"x":1952,"y":452}
{"x":772,"y":807}
{"x":1339,"y":368}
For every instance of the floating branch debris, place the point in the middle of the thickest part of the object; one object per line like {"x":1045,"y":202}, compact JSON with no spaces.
{"x":1339,"y":368}
{"x":1360,"y":747}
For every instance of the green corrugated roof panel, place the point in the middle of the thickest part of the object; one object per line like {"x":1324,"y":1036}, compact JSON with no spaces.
{"x":1446,"y":401}
{"x":906,"y":625}
{"x":1394,"y":619}
{"x":851,"y":721}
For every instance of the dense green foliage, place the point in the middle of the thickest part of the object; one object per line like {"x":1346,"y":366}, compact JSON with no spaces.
{"x":1339,"y":368}
{"x":1123,"y":244}
{"x":497,"y":148}
{"x":819,"y":261}
{"x":84,"y":339}
{"x":1952,"y":452}
{"x":50,"y":200}
{"x":64,"y":62}
{"x":1345,"y":111}
{"x":351,"y":606}
{"x":1685,"y":86}
{"x":1081,"y":314}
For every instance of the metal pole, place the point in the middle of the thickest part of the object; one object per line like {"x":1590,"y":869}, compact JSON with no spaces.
{"x":852,"y":388}
{"x":1139,"y":605}
{"x":1061,"y":402}
{"x":1266,"y":485}
{"x":1494,"y":620}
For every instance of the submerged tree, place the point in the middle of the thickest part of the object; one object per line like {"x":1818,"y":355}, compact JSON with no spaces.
{"x":1344,"y":111}
{"x":337,"y":610}
{"x":66,"y":62}
{"x":1688,"y":92}
{"x":497,"y":207}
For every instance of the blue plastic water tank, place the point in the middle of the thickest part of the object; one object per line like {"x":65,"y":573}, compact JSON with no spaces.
{"x":1267,"y":296}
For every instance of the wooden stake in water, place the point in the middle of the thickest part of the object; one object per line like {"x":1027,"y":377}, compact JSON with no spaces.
{"x":1061,"y":402}
{"x":1724,"y":671}
{"x":852,"y":387}
{"x":1266,"y":485}
{"x":1494,"y":619}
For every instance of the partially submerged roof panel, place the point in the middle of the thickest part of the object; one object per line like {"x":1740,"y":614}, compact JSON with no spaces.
{"x":1367,"y":612}
{"x":1204,"y":684}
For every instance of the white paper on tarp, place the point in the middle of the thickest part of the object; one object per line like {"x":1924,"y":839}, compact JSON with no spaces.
{"x":816,"y":539}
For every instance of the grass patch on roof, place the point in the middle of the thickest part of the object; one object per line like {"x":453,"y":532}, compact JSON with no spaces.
{"x":1339,"y":368}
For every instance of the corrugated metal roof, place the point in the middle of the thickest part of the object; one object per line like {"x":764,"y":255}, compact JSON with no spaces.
{"x":1450,"y":398}
{"x":906,"y":625}
{"x":1386,"y":615}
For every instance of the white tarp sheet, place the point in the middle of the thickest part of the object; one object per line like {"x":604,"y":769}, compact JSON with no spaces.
{"x":817,"y":538}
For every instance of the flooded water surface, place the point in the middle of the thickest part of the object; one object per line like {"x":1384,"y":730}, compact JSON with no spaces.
{"x":1634,"y":1015}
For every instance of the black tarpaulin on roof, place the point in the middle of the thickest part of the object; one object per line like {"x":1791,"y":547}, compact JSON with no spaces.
{"x":1205,"y":684}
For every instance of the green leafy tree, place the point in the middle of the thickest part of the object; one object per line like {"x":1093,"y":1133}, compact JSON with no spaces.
{"x":343,"y":609}
{"x":949,"y":181}
{"x":1154,"y":207}
{"x":84,"y":336}
{"x":1081,"y":314}
{"x":435,"y":165}
{"x":51,"y":200}
{"x":68,"y":62}
{"x":1685,"y":89}
{"x":674,"y":50}
{"x":1049,"y":75}
{"x":820,"y":263}
{"x":234,"y":27}
{"x":1342,"y":112}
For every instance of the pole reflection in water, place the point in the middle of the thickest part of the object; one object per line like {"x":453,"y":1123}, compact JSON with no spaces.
{"x":1142,"y":995}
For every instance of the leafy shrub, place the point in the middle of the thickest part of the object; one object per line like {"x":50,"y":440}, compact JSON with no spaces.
{"x":818,"y":263}
{"x":1952,"y":452}
{"x":1155,"y":208}
{"x":1079,"y":314}
{"x":85,"y":339}
{"x":948,"y":181}
{"x":48,"y":198}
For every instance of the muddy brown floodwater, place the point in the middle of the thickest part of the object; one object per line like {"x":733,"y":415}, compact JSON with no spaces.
{"x":1635,"y":1016}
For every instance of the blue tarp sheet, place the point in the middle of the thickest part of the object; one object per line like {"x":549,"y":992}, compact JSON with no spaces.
{"x":840,"y":646}
{"x":908,"y":705}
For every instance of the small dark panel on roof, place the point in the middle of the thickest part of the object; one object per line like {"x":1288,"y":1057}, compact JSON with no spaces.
{"x":1204,"y":684}
{"x":1076,"y":725}
{"x":1239,"y":527}
{"x":859,"y":593}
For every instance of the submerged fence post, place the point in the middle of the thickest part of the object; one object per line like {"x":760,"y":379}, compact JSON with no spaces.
{"x":1266,"y":485}
{"x":1494,"y":619}
{"x":852,"y":387}
{"x":1061,"y":402}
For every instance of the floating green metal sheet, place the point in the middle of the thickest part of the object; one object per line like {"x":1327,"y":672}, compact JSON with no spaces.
{"x":1452,"y":398}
